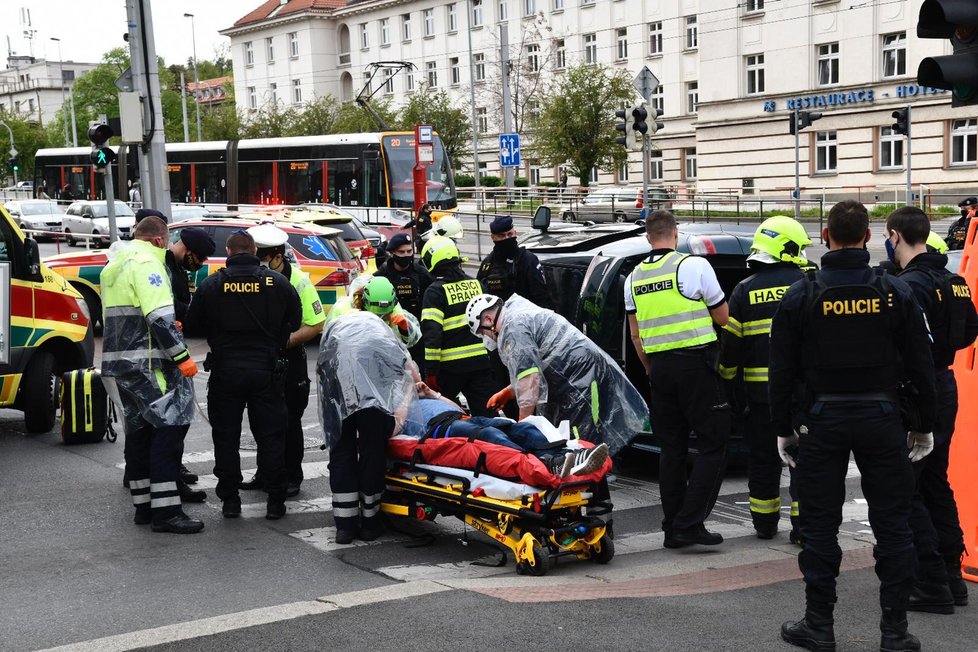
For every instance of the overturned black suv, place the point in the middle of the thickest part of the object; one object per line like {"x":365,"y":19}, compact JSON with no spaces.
{"x":586,"y":265}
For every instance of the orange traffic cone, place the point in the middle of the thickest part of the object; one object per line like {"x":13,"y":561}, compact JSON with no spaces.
{"x":964,"y":445}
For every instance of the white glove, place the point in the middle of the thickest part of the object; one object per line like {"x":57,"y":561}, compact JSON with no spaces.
{"x":783,"y":444}
{"x":920,"y":445}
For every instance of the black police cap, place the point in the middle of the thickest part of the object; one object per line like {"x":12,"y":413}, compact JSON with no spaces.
{"x":968,"y":201}
{"x":150,"y":212}
{"x":197,"y":241}
{"x":398,"y":240}
{"x":502,"y":224}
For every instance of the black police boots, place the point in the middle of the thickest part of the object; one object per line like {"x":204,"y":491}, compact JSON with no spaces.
{"x":178,"y":524}
{"x":959,"y":590}
{"x":189,"y":495}
{"x":255,"y":484}
{"x":895,"y":637}
{"x":931,"y":597}
{"x":275,"y":508}
{"x":187,"y":476}
{"x":697,"y":535}
{"x":231,"y":507}
{"x":813,"y":632}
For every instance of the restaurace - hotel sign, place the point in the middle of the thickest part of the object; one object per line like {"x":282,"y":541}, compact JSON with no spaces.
{"x":858,"y":96}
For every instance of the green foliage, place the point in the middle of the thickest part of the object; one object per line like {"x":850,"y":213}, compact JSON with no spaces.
{"x":576,"y":123}
{"x":428,"y":106}
{"x":490,"y":181}
{"x":317,"y":117}
{"x":28,"y":138}
{"x":464,"y":181}
{"x":521,"y":182}
{"x":353,"y":118}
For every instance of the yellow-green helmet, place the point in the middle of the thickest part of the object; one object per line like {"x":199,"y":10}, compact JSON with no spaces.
{"x":437,"y":250}
{"x":935,"y":243}
{"x":782,"y":237}
{"x":378,"y":296}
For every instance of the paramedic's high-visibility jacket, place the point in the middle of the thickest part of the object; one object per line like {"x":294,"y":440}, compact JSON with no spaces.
{"x":344,"y":306}
{"x":312,"y":309}
{"x":666,"y":319}
{"x":746,"y":340}
{"x":141,"y":345}
{"x":448,"y":342}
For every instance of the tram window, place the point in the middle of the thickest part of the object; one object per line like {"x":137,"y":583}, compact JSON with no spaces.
{"x":255,"y":183}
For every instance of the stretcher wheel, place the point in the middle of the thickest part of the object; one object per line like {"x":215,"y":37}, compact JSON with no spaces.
{"x":606,"y":553}
{"x":541,"y":558}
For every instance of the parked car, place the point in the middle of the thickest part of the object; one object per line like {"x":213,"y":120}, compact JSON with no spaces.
{"x":337,"y":218}
{"x":616,"y":204}
{"x":183,"y":213}
{"x":319,"y":251}
{"x":37,"y":215}
{"x":586,"y":266}
{"x":91,"y":218}
{"x":376,"y":239}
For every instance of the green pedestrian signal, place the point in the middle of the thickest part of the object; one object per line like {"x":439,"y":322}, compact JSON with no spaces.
{"x":102,"y":157}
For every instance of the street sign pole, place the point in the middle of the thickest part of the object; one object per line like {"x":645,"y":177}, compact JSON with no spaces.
{"x":797,"y":170}
{"x":646,"y":83}
{"x":109,"y":194}
{"x":909,"y":163}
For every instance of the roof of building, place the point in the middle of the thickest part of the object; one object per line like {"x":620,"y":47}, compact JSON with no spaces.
{"x":217,"y":82}
{"x":275,"y":9}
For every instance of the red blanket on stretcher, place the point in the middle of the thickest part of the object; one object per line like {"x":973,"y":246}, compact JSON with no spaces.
{"x":499,"y":461}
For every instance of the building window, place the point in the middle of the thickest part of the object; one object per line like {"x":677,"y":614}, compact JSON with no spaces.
{"x":655,"y":165}
{"x":252,"y":98}
{"x":560,"y":54}
{"x":558,"y":5}
{"x":534,"y":175}
{"x":476,"y":13}
{"x":755,"y":73}
{"x":388,"y":81}
{"x":385,"y":31}
{"x":692,"y":33}
{"x":293,"y":44}
{"x":689,"y":163}
{"x":593,"y":175}
{"x":273,"y":93}
{"x":828,"y":64}
{"x":451,"y":15}
{"x":655,"y":39}
{"x":409,"y":80}
{"x":431,"y":68}
{"x":753,"y":6}
{"x":364,"y":36}
{"x":482,"y":118}
{"x":428,"y":16}
{"x":533,"y":57}
{"x":30,"y":106}
{"x":296,"y":91}
{"x":270,"y":50}
{"x":529,"y":7}
{"x":622,"y":35}
{"x":963,"y":137}
{"x":503,"y":10}
{"x":480,"y":66}
{"x":366,"y":81}
{"x":591,"y":48}
{"x":891,"y":149}
{"x":455,"y":71}
{"x":692,"y":97}
{"x":623,"y":171}
{"x":825,"y":152}
{"x":405,"y":27}
{"x":67,"y":75}
{"x":587,"y":3}
{"x":533,"y":110}
{"x":895,"y":55}
{"x":658,"y":101}
{"x":249,"y":51}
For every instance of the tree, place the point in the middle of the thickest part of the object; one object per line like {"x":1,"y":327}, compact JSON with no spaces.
{"x":318,"y":117}
{"x":28,"y":138}
{"x":271,"y":121}
{"x":576,"y":123}
{"x":428,"y":106}
{"x":353,"y":118}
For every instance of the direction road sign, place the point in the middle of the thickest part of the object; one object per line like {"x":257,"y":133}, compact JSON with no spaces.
{"x":509,"y":150}
{"x":646,"y":83}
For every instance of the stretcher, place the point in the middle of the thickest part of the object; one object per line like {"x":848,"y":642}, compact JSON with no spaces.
{"x":538,"y":525}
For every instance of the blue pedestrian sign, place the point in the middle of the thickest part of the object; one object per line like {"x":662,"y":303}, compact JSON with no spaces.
{"x":509,"y":150}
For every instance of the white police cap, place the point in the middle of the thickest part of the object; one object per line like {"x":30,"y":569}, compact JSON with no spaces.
{"x":268,"y":235}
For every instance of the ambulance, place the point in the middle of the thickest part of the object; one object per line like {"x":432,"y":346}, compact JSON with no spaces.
{"x":44,"y":327}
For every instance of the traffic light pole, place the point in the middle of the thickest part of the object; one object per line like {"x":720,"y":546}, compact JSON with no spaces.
{"x":909,"y":163}
{"x":797,"y":170}
{"x":646,"y":159}
{"x":110,"y":204}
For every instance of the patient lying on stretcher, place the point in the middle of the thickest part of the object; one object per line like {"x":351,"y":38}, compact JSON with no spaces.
{"x":443,"y":418}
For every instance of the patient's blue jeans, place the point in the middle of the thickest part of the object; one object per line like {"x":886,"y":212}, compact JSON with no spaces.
{"x":495,"y":430}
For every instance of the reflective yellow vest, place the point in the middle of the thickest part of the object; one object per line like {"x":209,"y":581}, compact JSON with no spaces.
{"x":666,"y":319}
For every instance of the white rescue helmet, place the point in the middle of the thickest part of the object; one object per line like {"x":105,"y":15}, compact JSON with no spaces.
{"x":447,"y":227}
{"x":268,"y":235}
{"x":478,"y":305}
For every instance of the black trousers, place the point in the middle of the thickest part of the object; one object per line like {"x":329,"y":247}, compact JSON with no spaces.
{"x":356,"y":468}
{"x":934,"y":517}
{"x":229,"y":392}
{"x":873,"y":433}
{"x":764,"y":477}
{"x":501,"y":374}
{"x":296,"y":401}
{"x":686,"y":397}
{"x":477,"y":386}
{"x":153,"y":467}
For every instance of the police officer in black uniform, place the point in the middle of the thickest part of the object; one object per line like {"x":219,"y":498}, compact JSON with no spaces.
{"x":946,"y":300}
{"x":510,"y":269}
{"x":410,"y":280}
{"x":852,"y":335}
{"x":247,"y":313}
{"x":959,"y":229}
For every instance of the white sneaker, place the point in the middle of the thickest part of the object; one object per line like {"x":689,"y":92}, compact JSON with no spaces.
{"x":570,"y":459}
{"x":590,"y":460}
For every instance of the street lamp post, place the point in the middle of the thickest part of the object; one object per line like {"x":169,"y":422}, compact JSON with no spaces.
{"x":64,"y":102}
{"x":193,"y":37}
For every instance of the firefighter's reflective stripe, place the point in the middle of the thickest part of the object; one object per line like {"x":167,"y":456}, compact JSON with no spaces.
{"x":757,"y":327}
{"x":524,"y":374}
{"x":728,"y":373}
{"x":459,"y":352}
{"x":734,"y":327}
{"x":755,"y":374}
{"x":455,"y":322}
{"x":759,"y":506}
{"x":433,"y":314}
{"x":794,"y":508}
{"x":666,"y":319}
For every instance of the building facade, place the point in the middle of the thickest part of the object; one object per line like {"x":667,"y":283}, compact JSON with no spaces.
{"x":730,"y":71}
{"x":34,"y":89}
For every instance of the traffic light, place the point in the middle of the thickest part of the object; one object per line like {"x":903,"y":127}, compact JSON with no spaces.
{"x":99,"y":133}
{"x":902,"y":124}
{"x":14,"y":165}
{"x":639,"y":114}
{"x":956,"y":20}
{"x":654,"y":125}
{"x":102,"y":156}
{"x":626,"y":126}
{"x":805,"y":119}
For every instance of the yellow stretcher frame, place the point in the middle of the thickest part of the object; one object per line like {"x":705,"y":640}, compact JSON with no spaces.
{"x":537,"y":529}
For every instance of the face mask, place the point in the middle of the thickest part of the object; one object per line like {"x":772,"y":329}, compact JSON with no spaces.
{"x":489,"y":343}
{"x":890,"y":250}
{"x":263,"y":264}
{"x":191,"y":263}
{"x":507,"y":246}
{"x":403,"y":261}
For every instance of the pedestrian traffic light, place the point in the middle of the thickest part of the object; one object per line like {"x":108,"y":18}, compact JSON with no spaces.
{"x":626,"y":126}
{"x":12,"y":162}
{"x":640,"y":114}
{"x":99,"y":133}
{"x":654,"y":125}
{"x":804,"y":119}
{"x":956,"y":20}
{"x":102,"y":156}
{"x":902,"y":124}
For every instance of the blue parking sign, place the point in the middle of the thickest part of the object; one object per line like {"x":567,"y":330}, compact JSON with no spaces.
{"x":509,"y":150}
